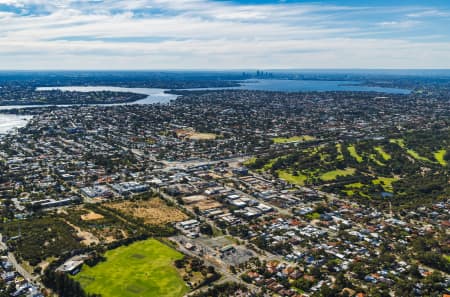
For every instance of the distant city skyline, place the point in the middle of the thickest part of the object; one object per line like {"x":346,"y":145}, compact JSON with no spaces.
{"x":200,"y":34}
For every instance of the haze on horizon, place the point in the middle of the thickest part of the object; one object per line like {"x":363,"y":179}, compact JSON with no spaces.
{"x":205,"y":34}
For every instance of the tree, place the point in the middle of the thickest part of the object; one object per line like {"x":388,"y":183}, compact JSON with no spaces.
{"x":206,"y":228}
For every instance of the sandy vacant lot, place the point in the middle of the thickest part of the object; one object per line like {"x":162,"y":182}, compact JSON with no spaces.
{"x":154,"y":211}
{"x":191,"y":134}
{"x":202,"y":136}
{"x":92,"y":216}
{"x":87,"y":238}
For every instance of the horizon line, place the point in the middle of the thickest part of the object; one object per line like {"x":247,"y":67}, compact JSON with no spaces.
{"x":221,"y":69}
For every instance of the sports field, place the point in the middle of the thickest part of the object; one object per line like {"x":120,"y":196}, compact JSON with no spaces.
{"x":144,"y":268}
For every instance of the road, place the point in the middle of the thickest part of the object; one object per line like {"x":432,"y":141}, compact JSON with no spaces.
{"x":22,"y":271}
{"x":218,"y":265}
{"x":186,"y":164}
{"x":227,"y":276}
{"x":3,"y":246}
{"x":285,"y":212}
{"x":19,"y":268}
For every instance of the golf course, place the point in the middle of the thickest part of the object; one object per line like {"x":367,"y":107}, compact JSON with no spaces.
{"x":365,"y":169}
{"x":144,"y":268}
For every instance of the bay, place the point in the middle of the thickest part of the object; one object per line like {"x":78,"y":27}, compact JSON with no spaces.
{"x":10,"y":121}
{"x":284,"y":85}
{"x":155,"y":95}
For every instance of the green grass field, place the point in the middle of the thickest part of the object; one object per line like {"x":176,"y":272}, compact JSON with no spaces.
{"x":352,"y":150}
{"x":439,"y":156}
{"x":332,"y":175}
{"x":373,"y":157}
{"x":293,"y":179}
{"x":416,"y":156}
{"x":270,"y":163}
{"x":447,"y":257}
{"x":386,"y":156}
{"x":385,"y":182}
{"x":354,"y":186}
{"x":250,"y":161}
{"x":349,"y":192}
{"x":400,"y":142}
{"x":340,"y":155}
{"x":412,"y":153}
{"x":144,"y":268}
{"x":293,"y":139}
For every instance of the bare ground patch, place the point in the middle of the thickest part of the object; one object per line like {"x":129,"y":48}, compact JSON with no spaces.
{"x":202,"y":136}
{"x":87,"y":238}
{"x":194,"y":135}
{"x":154,"y":211}
{"x":91,"y":216}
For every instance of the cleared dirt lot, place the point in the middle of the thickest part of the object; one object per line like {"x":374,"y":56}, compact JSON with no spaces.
{"x":202,"y":136}
{"x":92,"y":216}
{"x":154,"y":211}
{"x":201,"y":201}
{"x":193,"y":135}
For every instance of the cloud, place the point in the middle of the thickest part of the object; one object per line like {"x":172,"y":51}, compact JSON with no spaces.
{"x":429,"y":13}
{"x":399,"y":24}
{"x":149,"y":34}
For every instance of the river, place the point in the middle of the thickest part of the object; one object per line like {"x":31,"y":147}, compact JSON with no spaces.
{"x":10,"y":121}
{"x":288,"y":85}
{"x":154,"y":95}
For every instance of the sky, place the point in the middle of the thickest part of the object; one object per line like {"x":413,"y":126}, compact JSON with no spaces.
{"x":206,"y":34}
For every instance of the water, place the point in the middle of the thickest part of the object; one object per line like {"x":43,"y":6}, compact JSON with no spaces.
{"x":154,"y":95}
{"x":285,"y":85}
{"x":387,"y":194}
{"x":10,"y":121}
{"x":277,"y":85}
{"x":281,"y":85}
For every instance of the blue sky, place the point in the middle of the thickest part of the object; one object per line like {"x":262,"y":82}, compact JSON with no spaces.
{"x":207,"y":34}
